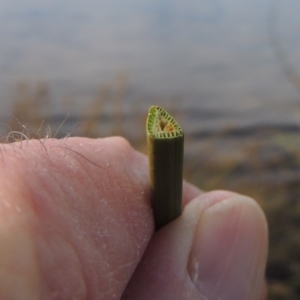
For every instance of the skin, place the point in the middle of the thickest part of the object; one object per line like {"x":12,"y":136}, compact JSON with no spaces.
{"x":76,"y":223}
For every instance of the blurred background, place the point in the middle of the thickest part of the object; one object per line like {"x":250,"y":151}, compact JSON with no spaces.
{"x":228,"y":71}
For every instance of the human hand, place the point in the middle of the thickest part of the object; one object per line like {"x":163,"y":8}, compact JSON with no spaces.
{"x":76,"y":223}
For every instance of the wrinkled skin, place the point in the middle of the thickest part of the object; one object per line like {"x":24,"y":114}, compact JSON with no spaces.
{"x":76,"y":223}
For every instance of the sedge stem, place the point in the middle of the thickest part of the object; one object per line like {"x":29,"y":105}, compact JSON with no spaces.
{"x":165,"y":149}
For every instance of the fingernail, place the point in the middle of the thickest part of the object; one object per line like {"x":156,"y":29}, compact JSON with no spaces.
{"x":228,"y":255}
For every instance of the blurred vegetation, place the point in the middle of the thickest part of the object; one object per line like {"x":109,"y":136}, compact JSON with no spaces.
{"x":261,"y":162}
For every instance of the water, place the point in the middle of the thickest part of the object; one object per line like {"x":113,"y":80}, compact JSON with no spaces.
{"x":215,"y":56}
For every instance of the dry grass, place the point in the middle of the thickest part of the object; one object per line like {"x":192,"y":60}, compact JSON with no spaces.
{"x":264,"y":164}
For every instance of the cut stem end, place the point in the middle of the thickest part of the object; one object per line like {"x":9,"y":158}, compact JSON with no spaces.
{"x":165,"y":147}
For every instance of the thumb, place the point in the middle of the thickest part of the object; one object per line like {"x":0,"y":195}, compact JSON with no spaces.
{"x":217,"y":249}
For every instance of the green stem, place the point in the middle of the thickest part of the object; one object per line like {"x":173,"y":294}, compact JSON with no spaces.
{"x":165,"y":148}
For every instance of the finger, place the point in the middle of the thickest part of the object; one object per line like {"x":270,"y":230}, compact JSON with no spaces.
{"x":75,"y":218}
{"x":216,"y":250}
{"x":189,"y":192}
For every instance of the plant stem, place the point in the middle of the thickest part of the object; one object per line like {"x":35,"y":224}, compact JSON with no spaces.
{"x":165,"y":149}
